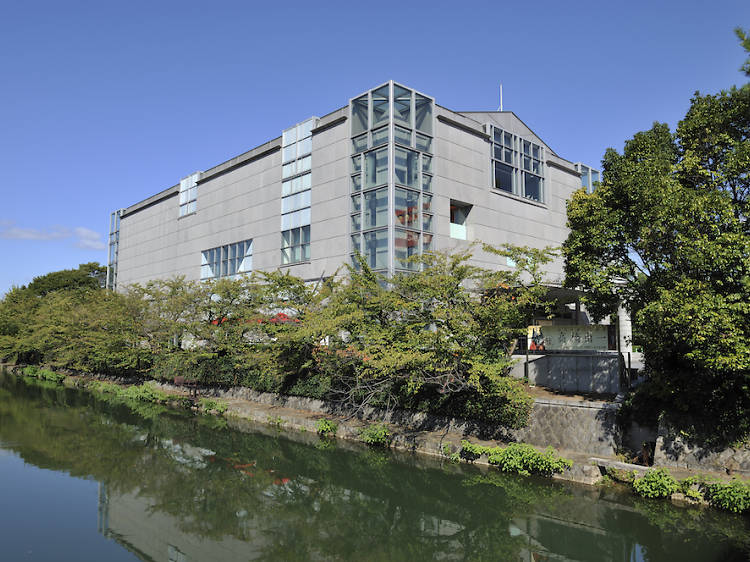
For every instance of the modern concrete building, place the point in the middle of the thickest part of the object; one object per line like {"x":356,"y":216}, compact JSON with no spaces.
{"x":391,"y":174}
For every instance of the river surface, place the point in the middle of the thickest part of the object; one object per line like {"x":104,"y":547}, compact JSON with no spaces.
{"x":87,"y":478}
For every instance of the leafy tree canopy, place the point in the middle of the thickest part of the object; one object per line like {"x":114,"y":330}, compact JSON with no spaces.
{"x":88,"y":275}
{"x":667,"y":234}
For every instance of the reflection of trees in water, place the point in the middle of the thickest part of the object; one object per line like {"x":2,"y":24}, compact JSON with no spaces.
{"x":307,"y":502}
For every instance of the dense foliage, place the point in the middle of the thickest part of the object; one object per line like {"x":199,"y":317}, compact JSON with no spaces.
{"x":666,"y":234}
{"x":437,"y":340}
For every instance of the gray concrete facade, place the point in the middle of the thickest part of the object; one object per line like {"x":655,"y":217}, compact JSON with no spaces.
{"x":241,"y":200}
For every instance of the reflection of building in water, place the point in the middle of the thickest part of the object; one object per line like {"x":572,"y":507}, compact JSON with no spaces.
{"x":130,"y":520}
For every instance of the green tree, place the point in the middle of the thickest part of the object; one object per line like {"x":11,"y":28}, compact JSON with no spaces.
{"x":667,"y":234}
{"x":88,"y":275}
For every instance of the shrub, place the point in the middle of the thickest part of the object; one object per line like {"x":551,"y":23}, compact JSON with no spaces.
{"x":521,"y":458}
{"x":657,"y":483}
{"x":143,"y":393}
{"x":209,"y":405}
{"x":376,"y":434}
{"x":733,"y":496}
{"x":326,"y":428}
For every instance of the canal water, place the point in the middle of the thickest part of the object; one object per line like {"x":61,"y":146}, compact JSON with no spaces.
{"x":85,"y":478}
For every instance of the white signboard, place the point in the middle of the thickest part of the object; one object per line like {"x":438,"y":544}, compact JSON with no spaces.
{"x":553,"y":338}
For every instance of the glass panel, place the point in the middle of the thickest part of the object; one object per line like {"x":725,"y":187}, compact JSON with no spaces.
{"x":424,"y":143}
{"x":498,"y":135}
{"x":286,"y":238}
{"x":533,"y":187}
{"x":356,"y":223}
{"x":594,"y":178}
{"x":426,"y":202}
{"x":380,"y":137}
{"x":304,"y":164}
{"x":356,"y":163}
{"x":380,"y":106}
{"x":286,"y":222}
{"x":426,"y":242}
{"x":289,"y":136}
{"x":526,"y":147}
{"x":206,"y":272}
{"x":498,"y":151}
{"x":286,"y":255}
{"x":359,"y":115}
{"x":526,"y":163}
{"x":406,"y":208}
{"x":306,"y":252}
{"x":508,"y":140}
{"x":426,"y":222}
{"x":402,"y":136}
{"x":356,"y":203}
{"x":359,"y":144}
{"x":508,"y":156}
{"x":183,"y":197}
{"x":305,"y":128}
{"x":191,"y":207}
{"x":355,"y":242}
{"x":426,"y":163}
{"x":402,"y":104}
{"x":375,"y":208}
{"x":503,"y":177}
{"x":288,"y":169}
{"x":406,"y":169}
{"x":406,"y":245}
{"x":304,"y":146}
{"x":423,"y":114}
{"x":246,"y":264}
{"x":356,"y":182}
{"x":306,"y":181}
{"x":295,"y":237}
{"x":305,"y":235}
{"x":286,"y":187}
{"x":376,"y":167}
{"x":426,"y":182}
{"x":536,"y":167}
{"x":290,"y":152}
{"x":535,"y":152}
{"x":376,"y":249}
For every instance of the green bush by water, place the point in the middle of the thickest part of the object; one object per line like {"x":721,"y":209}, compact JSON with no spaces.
{"x":377,"y":435}
{"x":518,"y":458}
{"x":658,"y":483}
{"x":326,"y":427}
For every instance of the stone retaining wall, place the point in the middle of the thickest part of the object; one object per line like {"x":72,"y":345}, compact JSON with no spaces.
{"x":674,"y":451}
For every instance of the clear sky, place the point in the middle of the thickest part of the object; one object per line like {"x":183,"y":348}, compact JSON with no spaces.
{"x":103,"y":104}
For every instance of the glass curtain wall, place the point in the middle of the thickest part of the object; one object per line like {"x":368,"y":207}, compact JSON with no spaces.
{"x":114,"y":248}
{"x":296,"y":188}
{"x":391,"y":177}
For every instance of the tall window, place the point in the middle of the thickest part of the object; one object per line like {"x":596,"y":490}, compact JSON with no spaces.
{"x":589,"y":177}
{"x":517,"y":165}
{"x":230,"y":260}
{"x":296,"y":189}
{"x":189,"y":194}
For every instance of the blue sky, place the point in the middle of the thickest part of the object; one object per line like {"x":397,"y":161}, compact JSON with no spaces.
{"x":103,"y":104}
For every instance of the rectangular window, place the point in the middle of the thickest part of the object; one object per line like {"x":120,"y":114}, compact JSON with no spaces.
{"x":407,"y":167}
{"x":189,"y":194}
{"x":406,"y":245}
{"x":295,"y":245}
{"x":376,"y":167}
{"x":407,"y":208}
{"x":519,"y":173}
{"x":376,"y":249}
{"x":375,"y":208}
{"x":229,"y":260}
{"x":459,"y":217}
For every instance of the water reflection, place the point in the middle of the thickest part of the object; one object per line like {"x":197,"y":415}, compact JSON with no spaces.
{"x":175,"y":487}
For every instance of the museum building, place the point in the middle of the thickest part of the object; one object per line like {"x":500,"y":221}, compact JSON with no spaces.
{"x":389,"y":175}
